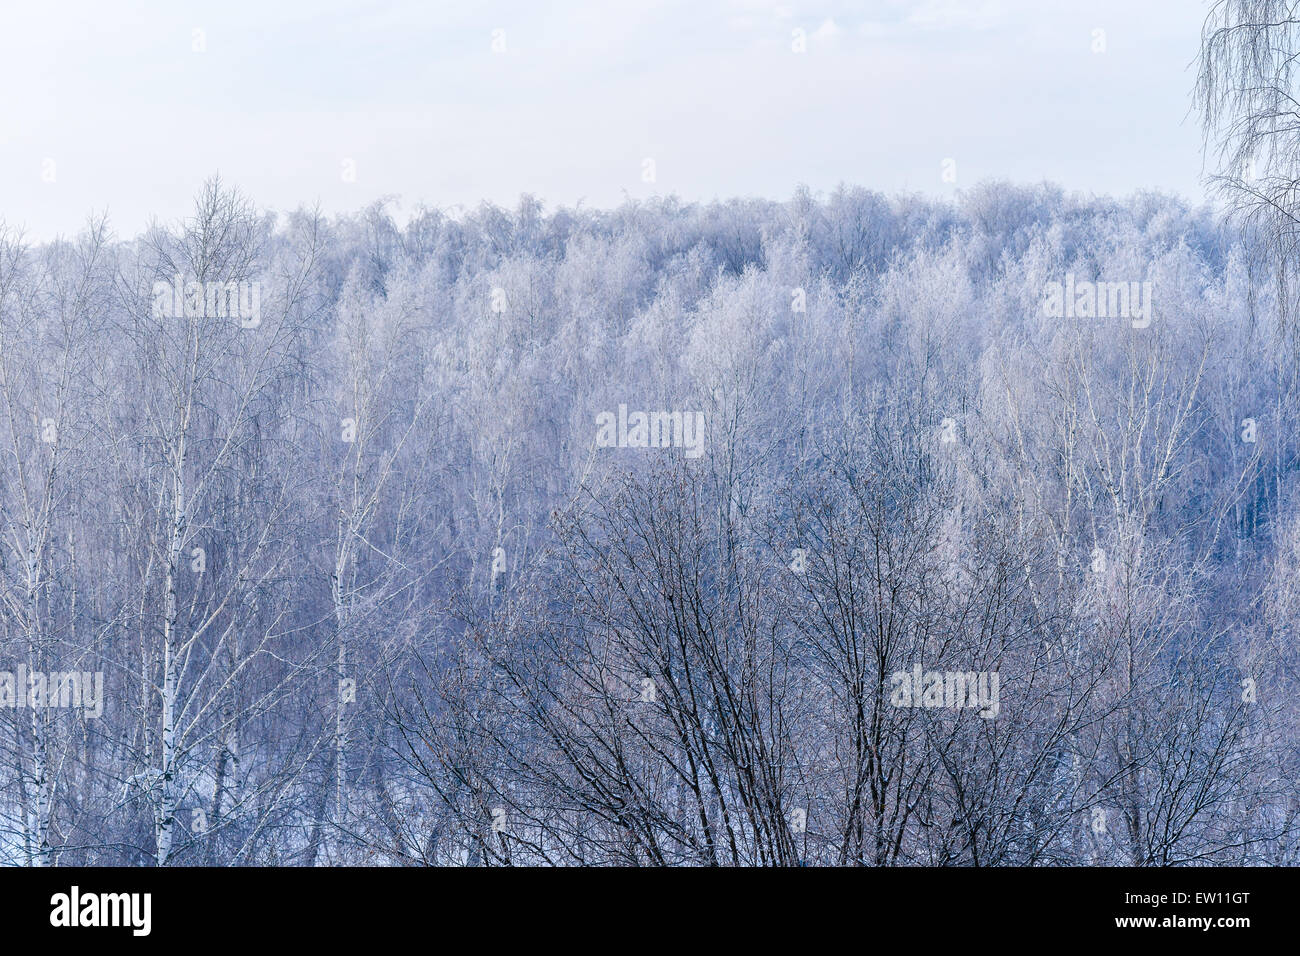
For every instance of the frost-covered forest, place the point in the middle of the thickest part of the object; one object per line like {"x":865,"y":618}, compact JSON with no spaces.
{"x":366,"y":585}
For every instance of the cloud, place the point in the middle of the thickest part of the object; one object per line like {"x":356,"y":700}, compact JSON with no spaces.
{"x":957,"y":15}
{"x":828,"y":32}
{"x":899,"y":17}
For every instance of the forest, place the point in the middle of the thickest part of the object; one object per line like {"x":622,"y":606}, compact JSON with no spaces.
{"x":387,"y":571}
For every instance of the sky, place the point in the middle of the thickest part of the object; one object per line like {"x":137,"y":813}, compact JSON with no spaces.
{"x":127,"y":107}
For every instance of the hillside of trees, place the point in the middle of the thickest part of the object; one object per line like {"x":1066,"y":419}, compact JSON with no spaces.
{"x":364,"y":587}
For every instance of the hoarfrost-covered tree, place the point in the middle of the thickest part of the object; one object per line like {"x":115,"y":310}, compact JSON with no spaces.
{"x":365,"y":587}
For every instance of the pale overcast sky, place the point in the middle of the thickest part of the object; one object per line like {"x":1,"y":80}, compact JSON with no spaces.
{"x":126,"y":107}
